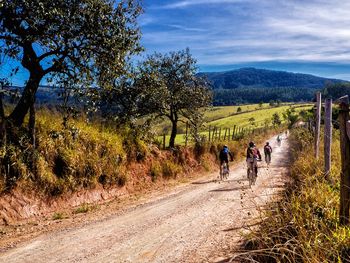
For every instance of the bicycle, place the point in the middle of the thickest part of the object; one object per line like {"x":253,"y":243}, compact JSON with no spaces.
{"x":268,"y":159}
{"x":251,"y":170}
{"x":224,"y":171}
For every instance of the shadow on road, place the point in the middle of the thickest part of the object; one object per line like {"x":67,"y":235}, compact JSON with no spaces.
{"x":225,"y":189}
{"x":204,"y":182}
{"x":240,"y":227}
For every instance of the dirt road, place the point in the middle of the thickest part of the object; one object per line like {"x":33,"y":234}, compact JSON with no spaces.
{"x":201,"y":222}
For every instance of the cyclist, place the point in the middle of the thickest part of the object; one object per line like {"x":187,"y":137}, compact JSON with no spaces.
{"x":223,"y":155}
{"x":267,"y":152}
{"x":253,"y":155}
{"x":279,"y":140}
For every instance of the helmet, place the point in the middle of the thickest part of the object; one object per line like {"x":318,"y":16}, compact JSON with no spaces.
{"x":225,"y":146}
{"x":251,"y":144}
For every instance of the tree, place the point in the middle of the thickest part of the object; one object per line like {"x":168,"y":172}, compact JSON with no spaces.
{"x":252,"y":121}
{"x":239,"y":109}
{"x":172,"y":89}
{"x":276,"y":120}
{"x":82,"y":43}
{"x":290,"y":117}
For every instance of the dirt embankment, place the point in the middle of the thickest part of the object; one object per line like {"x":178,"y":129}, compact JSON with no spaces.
{"x":29,"y":205}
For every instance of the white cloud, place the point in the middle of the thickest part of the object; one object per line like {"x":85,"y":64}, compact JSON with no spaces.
{"x":188,"y":3}
{"x":266,"y":30}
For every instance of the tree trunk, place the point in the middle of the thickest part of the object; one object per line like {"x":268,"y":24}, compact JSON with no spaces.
{"x":2,"y":123}
{"x":31,"y":124}
{"x":26,"y":101}
{"x":3,"y":132}
{"x":2,"y":112}
{"x":173,"y":133}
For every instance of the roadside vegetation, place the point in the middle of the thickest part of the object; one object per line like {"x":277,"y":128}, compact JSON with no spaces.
{"x":304,"y":225}
{"x":89,"y":155}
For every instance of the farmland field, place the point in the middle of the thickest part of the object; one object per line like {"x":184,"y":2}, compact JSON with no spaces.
{"x":227,"y":117}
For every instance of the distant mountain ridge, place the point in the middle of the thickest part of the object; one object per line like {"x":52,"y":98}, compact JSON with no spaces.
{"x":263,"y":78}
{"x":251,"y":85}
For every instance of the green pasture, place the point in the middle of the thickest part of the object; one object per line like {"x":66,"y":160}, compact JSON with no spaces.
{"x":223,"y":118}
{"x":215,"y":113}
{"x":261,"y":118}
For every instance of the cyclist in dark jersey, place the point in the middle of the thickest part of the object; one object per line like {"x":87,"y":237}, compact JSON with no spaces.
{"x":224,"y":154}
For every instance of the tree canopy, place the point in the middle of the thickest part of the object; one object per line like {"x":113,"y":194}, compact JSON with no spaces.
{"x":164,"y":85}
{"x":74,"y":42}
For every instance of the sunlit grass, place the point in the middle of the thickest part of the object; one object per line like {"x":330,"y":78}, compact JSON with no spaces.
{"x":304,"y":225}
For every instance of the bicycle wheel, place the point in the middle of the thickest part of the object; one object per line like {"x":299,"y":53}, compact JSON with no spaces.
{"x":250,"y":177}
{"x":222,"y":172}
{"x":253,"y":176}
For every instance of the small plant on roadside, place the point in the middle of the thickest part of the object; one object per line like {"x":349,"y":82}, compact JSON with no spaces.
{"x":155,"y":171}
{"x":59,"y":216}
{"x":84,"y":208}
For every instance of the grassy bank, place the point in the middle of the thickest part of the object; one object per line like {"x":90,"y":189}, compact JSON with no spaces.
{"x":304,"y":225}
{"x":85,"y":156}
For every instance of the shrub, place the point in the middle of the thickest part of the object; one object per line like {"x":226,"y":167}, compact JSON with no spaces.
{"x":59,"y":216}
{"x":170,"y":169}
{"x":155,"y":171}
{"x":84,"y":208}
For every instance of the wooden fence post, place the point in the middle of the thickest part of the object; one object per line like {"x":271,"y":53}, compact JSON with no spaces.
{"x":318,"y":124}
{"x":209,"y":133}
{"x":229,"y":134}
{"x":220,"y":134}
{"x":233,"y":132}
{"x":327,"y":137}
{"x":345,"y":160}
{"x":186,"y":139}
{"x":225,"y":134}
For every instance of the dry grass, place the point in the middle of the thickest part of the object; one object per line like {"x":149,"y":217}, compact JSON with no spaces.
{"x":84,"y":156}
{"x":304,"y":225}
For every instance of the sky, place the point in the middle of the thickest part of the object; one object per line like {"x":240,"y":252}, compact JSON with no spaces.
{"x":307,"y":36}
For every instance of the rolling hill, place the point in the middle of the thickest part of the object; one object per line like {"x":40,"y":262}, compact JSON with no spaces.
{"x":251,"y":85}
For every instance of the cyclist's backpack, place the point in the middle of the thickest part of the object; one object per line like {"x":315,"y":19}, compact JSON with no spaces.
{"x":225,"y":150}
{"x":252,"y":152}
{"x":268,"y":149}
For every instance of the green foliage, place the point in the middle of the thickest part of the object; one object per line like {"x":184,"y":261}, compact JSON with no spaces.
{"x":250,"y":85}
{"x":84,"y":208}
{"x":252,"y":121}
{"x":170,"y":169}
{"x":59,"y":216}
{"x":255,"y":95}
{"x":290,"y":116}
{"x":60,"y":35}
{"x":155,"y":171}
{"x":179,"y":93}
{"x":276,"y":120}
{"x":336,"y":90}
